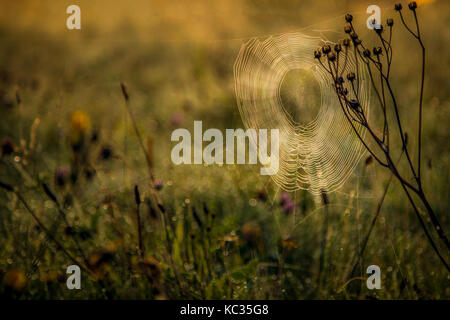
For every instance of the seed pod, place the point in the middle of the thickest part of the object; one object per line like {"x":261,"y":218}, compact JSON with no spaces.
{"x":377,"y":51}
{"x":347,"y":28}
{"x":390,"y":22}
{"x":317,"y":54}
{"x":338,"y":48}
{"x":366,"y":53}
{"x":351,"y":76}
{"x":369,"y":160}
{"x":331,"y":56}
{"x":412,"y":5}
{"x":348,"y":17}
{"x":326,"y":48}
{"x":105,"y":152}
{"x":379,"y":30}
{"x":398,"y":7}
{"x":346,"y":43}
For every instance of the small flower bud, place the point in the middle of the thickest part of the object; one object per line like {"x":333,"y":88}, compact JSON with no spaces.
{"x":348,"y":17}
{"x":353,"y":35}
{"x":346,"y":42}
{"x":390,"y":22}
{"x":331,"y":56}
{"x":326,"y":48}
{"x":412,"y":5}
{"x":317,"y":54}
{"x":347,"y":29}
{"x":337,"y":48}
{"x":398,"y":7}
{"x":351,"y":76}
{"x":366,"y":53}
{"x":377,"y":51}
{"x":357,"y":42}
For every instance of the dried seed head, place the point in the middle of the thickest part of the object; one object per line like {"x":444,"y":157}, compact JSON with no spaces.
{"x":369,"y":160}
{"x":379,"y":30}
{"x":377,"y":51}
{"x":348,"y":17}
{"x":398,"y":7}
{"x":346,"y":42}
{"x":347,"y":28}
{"x":326,"y":49}
{"x":340,"y":80}
{"x":7,"y":146}
{"x":338,"y":48}
{"x":366,"y":53}
{"x":412,"y":5}
{"x":345,"y":92}
{"x":357,"y":42}
{"x":317,"y":54}
{"x":106,"y":152}
{"x":331,"y":56}
{"x":351,"y":76}
{"x":390,"y":22}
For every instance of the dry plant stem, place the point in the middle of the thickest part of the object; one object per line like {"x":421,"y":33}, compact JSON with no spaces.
{"x":141,"y":245}
{"x":42,"y":226}
{"x":61,"y":212}
{"x":372,"y":225}
{"x":374,"y":220}
{"x":422,"y":81}
{"x":355,"y":113}
{"x":153,"y":194}
{"x":156,"y":201}
{"x":323,"y":245}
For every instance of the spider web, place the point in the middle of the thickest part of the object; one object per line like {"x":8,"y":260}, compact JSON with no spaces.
{"x":318,"y":155}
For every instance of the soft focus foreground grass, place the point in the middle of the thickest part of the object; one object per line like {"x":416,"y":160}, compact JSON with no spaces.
{"x":176,"y":60}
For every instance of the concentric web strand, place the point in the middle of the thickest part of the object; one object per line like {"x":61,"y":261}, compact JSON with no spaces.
{"x":318,"y":148}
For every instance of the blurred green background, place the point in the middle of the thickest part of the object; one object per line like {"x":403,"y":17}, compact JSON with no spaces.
{"x":227,"y":232}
